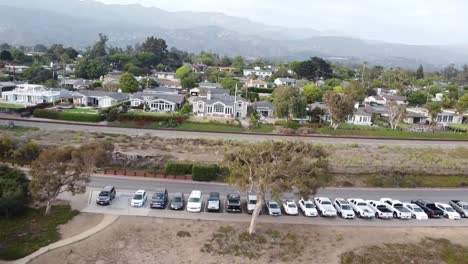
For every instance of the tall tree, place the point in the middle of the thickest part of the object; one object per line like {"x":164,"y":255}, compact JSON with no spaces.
{"x":6,"y":55}
{"x":65,"y":169}
{"x":155,"y":45}
{"x":417,"y":98}
{"x":128,"y":83}
{"x":289,"y":103}
{"x":313,"y":93}
{"x":340,"y":107}
{"x":313,"y":69}
{"x":90,"y":68}
{"x":356,"y":91}
{"x":100,"y":47}
{"x":420,"y":73}
{"x":434,"y":108}
{"x":396,"y":113}
{"x":272,"y":168}
{"x":183,"y":72}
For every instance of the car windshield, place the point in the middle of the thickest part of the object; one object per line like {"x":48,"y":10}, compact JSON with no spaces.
{"x":465,"y":207}
{"x":233,"y":201}
{"x":213,"y":199}
{"x":309,"y":205}
{"x":326,"y":202}
{"x":291,"y":205}
{"x":273,"y":205}
{"x":381,"y":207}
{"x":103,"y":193}
{"x":417,"y":209}
{"x":194,"y":200}
{"x":345,"y":207}
{"x":158,"y":196}
{"x":449,"y":209}
{"x":362,"y":204}
{"x":177,"y":199}
{"x":252,"y":201}
{"x":138,"y":197}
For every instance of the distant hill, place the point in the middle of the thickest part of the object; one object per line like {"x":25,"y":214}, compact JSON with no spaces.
{"x":77,"y":23}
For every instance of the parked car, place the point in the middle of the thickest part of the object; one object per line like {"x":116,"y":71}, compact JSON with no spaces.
{"x":449,"y":212}
{"x":325,"y":206}
{"x":233,"y":203}
{"x":416,"y":211}
{"x":273,"y":208}
{"x":381,"y":210}
{"x":399,"y":211}
{"x":139,"y":199}
{"x":178,"y":201}
{"x":361,"y":208}
{"x":343,"y":208}
{"x":429,"y":208}
{"x":160,"y":199}
{"x":308,"y":207}
{"x":194,"y":202}
{"x":214,"y":202}
{"x":106,"y":195}
{"x":460,"y":206}
{"x":290,"y":207}
{"x":251,"y":203}
{"x":25,"y":114}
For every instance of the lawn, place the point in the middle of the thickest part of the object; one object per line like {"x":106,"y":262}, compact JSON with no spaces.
{"x":11,"y":106}
{"x":381,"y":132}
{"x":263,"y":128}
{"x":459,"y":127}
{"x":216,"y":127}
{"x":80,"y":111}
{"x":25,"y":234}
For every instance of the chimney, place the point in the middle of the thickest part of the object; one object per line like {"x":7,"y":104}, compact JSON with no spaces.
{"x":208,"y":95}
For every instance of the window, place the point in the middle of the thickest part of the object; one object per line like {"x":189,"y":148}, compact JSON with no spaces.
{"x":210,"y":109}
{"x":450,"y":119}
{"x":218,"y":108}
{"x":445,"y":118}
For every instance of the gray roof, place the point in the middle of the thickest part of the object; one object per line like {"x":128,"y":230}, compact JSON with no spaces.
{"x":223,"y":98}
{"x":209,"y":85}
{"x":362,"y":112}
{"x":265,"y":104}
{"x":175,"y":98}
{"x":287,"y":79}
{"x":114,"y":95}
{"x":162,"y":90}
{"x":7,"y":84}
{"x":394,"y":97}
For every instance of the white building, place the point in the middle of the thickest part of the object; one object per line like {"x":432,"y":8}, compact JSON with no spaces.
{"x":220,"y":105}
{"x":15,"y":68}
{"x":361,"y":118}
{"x":258,"y":72}
{"x":166,"y":75}
{"x":285,"y":81}
{"x":101,"y":99}
{"x":167,"y":103}
{"x":256,"y":84}
{"x":29,"y":94}
{"x":448,"y":117}
{"x":385,"y":99}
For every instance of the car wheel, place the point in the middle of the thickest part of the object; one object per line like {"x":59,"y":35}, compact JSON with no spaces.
{"x":413,"y":216}
{"x":395,"y":215}
{"x":376,"y":215}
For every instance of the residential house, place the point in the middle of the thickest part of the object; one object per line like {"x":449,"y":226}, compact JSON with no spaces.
{"x":285,"y":82}
{"x":417,"y":115}
{"x":258,"y":72}
{"x":385,"y":99}
{"x":360,"y":117}
{"x":209,"y":85}
{"x":199,"y":68}
{"x":15,"y":68}
{"x":166,"y":75}
{"x":158,"y":102}
{"x":220,"y":105}
{"x":175,"y":83}
{"x":162,"y":90}
{"x":101,"y":99}
{"x":384,"y":91}
{"x":112,"y":78}
{"x":76,"y":84}
{"x":448,"y":117}
{"x":265,"y":108}
{"x":6,"y":87}
{"x":29,"y":94}
{"x":256,"y":84}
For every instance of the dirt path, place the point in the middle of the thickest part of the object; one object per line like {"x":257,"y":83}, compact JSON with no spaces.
{"x":79,"y":224}
{"x":152,"y":240}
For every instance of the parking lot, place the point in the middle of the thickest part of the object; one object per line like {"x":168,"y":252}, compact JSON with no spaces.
{"x":121,"y":206}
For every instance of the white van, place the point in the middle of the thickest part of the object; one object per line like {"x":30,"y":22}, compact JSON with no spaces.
{"x":194,"y":202}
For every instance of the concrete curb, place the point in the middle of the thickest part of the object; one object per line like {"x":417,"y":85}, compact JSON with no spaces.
{"x":106,"y":222}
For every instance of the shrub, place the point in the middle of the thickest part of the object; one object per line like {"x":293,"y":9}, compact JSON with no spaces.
{"x":27,"y":153}
{"x":292,"y":124}
{"x":50,"y":114}
{"x":6,"y":147}
{"x":178,"y":119}
{"x":205,"y":172}
{"x":261,"y":90}
{"x":178,"y":168}
{"x":13,"y":191}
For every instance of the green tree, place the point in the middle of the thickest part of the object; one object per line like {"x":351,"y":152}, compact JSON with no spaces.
{"x":14,"y":194}
{"x":27,"y":153}
{"x":65,"y":169}
{"x":146,"y":83}
{"x":90,"y":68}
{"x":420,"y":73}
{"x":313,"y":93}
{"x":462,"y":104}
{"x":40,"y":48}
{"x":396,"y":113}
{"x":340,"y":107}
{"x":313,"y":69}
{"x":128,"y":83}
{"x":230,"y":83}
{"x":434,"y":108}
{"x":157,"y":46}
{"x":50,"y":83}
{"x":5,"y":55}
{"x":36,"y":74}
{"x":183,"y":72}
{"x":289,"y":103}
{"x":274,"y":168}
{"x":187,"y":109}
{"x":417,"y":98}
{"x":188,"y":82}
{"x":100,"y":47}
{"x":356,"y":91}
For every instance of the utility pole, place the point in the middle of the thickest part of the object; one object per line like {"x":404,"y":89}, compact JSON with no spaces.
{"x":235,"y":101}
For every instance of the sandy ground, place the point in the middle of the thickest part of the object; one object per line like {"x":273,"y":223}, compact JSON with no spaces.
{"x":79,"y":224}
{"x":152,"y":240}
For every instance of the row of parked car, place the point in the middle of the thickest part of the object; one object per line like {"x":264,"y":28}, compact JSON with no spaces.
{"x":384,"y":208}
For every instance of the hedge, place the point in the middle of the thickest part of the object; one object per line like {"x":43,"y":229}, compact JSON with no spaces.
{"x":50,"y":114}
{"x":178,"y":168}
{"x":260,"y":90}
{"x":179,"y":119}
{"x":205,"y":172}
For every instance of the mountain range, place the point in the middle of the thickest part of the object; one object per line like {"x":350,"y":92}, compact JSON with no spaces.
{"x":77,"y":23}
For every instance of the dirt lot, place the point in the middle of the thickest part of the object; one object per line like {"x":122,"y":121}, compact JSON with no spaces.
{"x":152,"y":240}
{"x":79,"y":224}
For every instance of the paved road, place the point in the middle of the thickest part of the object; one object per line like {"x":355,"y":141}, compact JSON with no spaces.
{"x":127,"y":186}
{"x":228,"y":136}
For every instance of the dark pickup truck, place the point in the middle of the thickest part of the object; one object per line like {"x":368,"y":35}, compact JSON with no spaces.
{"x":233,"y":203}
{"x":430,"y":208}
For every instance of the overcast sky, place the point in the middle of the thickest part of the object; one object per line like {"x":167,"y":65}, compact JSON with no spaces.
{"x":406,"y":21}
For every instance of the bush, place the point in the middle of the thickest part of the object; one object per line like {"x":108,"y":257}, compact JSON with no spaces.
{"x":178,"y":119}
{"x":27,"y":153}
{"x":6,"y":147}
{"x":292,"y":124}
{"x":50,"y":114}
{"x":13,"y":191}
{"x":261,"y":90}
{"x":205,"y":172}
{"x":178,"y":168}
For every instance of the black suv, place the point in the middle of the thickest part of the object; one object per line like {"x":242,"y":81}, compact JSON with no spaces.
{"x":429,"y":208}
{"x":233,"y":203}
{"x":159,"y":199}
{"x":106,"y":196}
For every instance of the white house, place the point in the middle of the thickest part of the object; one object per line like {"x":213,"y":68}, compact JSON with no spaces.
{"x":210,"y":85}
{"x":76,"y":84}
{"x":258,"y":72}
{"x":99,"y":99}
{"x":285,"y":81}
{"x":256,"y":84}
{"x":265,"y":108}
{"x":360,"y":117}
{"x":220,"y":105}
{"x":167,"y":103}
{"x":166,"y":75}
{"x":448,"y":117}
{"x":374,"y":100}
{"x":15,"y":68}
{"x":416,"y":115}
{"x":385,"y":99}
{"x":29,"y":94}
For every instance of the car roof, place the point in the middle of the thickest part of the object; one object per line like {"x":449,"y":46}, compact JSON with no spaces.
{"x":213,"y":194}
{"x":195,"y":193}
{"x":108,"y":188}
{"x":233,"y":195}
{"x":179,"y":194}
{"x":252,"y":196}
{"x":160,"y":190}
{"x":342,"y":201}
{"x":140,"y":192}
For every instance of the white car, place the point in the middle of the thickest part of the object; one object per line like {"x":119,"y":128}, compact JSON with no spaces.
{"x":194,"y":202}
{"x":381,"y":210}
{"x":416,"y":211}
{"x":139,"y":199}
{"x":399,"y":211}
{"x":361,"y":208}
{"x":251,"y":203}
{"x":308,"y":207}
{"x":273,"y":208}
{"x":325,"y":206}
{"x":343,"y":208}
{"x":449,"y":212}
{"x":290,"y":207}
